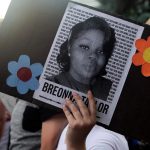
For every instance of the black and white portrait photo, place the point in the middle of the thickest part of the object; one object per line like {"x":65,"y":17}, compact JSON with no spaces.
{"x":84,"y":55}
{"x":91,"y":50}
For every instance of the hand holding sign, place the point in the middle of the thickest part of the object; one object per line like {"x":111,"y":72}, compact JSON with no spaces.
{"x":81,"y":120}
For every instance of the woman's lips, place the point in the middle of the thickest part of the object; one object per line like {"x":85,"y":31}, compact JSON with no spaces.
{"x":90,"y":66}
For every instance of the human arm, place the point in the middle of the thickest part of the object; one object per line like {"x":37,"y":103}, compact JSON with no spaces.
{"x":51,"y":130}
{"x":81,"y":121}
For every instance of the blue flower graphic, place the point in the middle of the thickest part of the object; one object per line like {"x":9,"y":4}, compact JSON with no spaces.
{"x":23,"y":75}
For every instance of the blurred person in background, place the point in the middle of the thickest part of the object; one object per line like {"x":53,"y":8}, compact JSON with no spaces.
{"x":4,"y":127}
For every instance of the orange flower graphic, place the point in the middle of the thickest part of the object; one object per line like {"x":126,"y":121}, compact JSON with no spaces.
{"x":142,"y":57}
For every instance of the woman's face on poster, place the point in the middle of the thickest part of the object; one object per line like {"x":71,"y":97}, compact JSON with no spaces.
{"x":87,"y":57}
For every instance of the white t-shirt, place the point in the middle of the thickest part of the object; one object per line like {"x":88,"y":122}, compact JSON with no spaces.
{"x":99,"y":139}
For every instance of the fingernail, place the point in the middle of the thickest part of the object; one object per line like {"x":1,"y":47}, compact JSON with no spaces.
{"x":66,"y":99}
{"x":64,"y":106}
{"x":74,"y":94}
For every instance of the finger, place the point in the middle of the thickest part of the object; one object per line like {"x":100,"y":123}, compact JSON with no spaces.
{"x":74,"y":110}
{"x":82,"y":107}
{"x":68,"y":114}
{"x":92,"y":104}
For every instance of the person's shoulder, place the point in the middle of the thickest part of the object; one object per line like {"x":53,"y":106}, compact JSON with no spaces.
{"x":101,"y":138}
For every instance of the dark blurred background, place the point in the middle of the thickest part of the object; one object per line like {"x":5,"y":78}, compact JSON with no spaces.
{"x":138,"y":10}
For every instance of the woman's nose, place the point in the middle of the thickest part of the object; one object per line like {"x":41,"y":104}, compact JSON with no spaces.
{"x":92,"y":56}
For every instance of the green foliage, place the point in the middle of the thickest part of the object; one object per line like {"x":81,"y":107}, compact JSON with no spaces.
{"x":138,"y":10}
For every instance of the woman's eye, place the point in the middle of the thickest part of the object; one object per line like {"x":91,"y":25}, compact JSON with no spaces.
{"x":100,"y":52}
{"x":85,"y":47}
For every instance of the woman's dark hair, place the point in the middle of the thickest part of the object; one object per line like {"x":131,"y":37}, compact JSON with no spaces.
{"x":92,"y":23}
